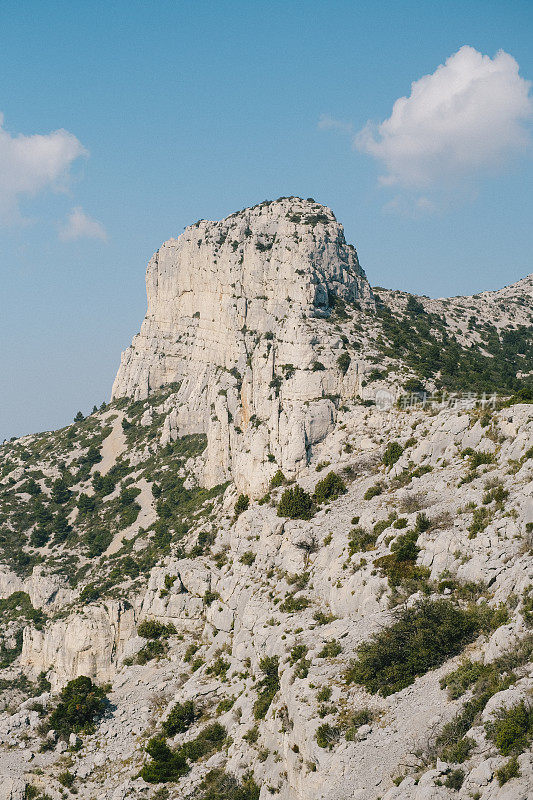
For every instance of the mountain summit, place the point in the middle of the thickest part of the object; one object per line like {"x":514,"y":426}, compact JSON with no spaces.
{"x":292,"y":556}
{"x":239,"y":315}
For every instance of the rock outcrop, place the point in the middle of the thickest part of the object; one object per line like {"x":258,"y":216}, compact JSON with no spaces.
{"x":354,"y":628}
{"x":239,"y":316}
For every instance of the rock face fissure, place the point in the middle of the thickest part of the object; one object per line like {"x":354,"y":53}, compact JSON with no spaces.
{"x":239,"y":315}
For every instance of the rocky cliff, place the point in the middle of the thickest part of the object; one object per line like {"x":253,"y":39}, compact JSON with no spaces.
{"x":239,"y":315}
{"x":292,"y":556}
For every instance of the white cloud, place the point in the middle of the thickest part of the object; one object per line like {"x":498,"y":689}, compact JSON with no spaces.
{"x":326,"y":123}
{"x":80,"y":225}
{"x":466,"y":118}
{"x":32,"y":164}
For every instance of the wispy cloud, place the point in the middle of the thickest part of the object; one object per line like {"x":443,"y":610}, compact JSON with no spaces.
{"x":80,"y":225}
{"x":327,"y":123}
{"x":466,"y":118}
{"x":32,"y":164}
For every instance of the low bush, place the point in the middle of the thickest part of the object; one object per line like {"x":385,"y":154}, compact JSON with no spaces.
{"x":327,"y":735}
{"x":329,"y":488}
{"x":292,"y":604}
{"x":80,"y":704}
{"x":343,"y":362}
{"x":219,"y":785}
{"x":296,"y":503}
{"x":509,"y":770}
{"x":420,"y":639}
{"x":166,"y":764}
{"x":278,"y":479}
{"x":454,"y":779}
{"x":400,"y":564}
{"x":151,"y":629}
{"x":373,"y":491}
{"x":392,"y":453}
{"x":268,"y":686}
{"x":360,"y":541}
{"x":512,"y":729}
{"x":242,"y":504}
{"x":180,"y":719}
{"x":331,"y":649}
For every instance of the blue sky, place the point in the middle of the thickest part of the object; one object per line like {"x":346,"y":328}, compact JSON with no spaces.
{"x":173,"y":111}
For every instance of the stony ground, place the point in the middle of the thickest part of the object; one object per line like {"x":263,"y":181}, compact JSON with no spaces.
{"x":292,"y":557}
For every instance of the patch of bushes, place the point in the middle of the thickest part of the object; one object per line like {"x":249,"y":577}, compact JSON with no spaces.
{"x":327,"y":735}
{"x":152,"y":629}
{"x":81,"y":704}
{"x":509,"y":770}
{"x":170,"y":765}
{"x":373,"y":491}
{"x":296,"y":503}
{"x":360,"y":541}
{"x":293,"y":603}
{"x":420,"y":639}
{"x":219,"y":785}
{"x":268,"y":686}
{"x":329,"y":488}
{"x":278,"y":479}
{"x":392,"y":453}
{"x":400,"y":564}
{"x":331,"y":649}
{"x":483,"y":681}
{"x":512,"y":729}
{"x":343,"y":362}
{"x":180,"y":719}
{"x":361,"y":717}
{"x":166,"y":764}
{"x":242,"y":504}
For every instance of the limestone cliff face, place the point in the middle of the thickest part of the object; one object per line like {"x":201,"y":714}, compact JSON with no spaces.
{"x":239,"y":315}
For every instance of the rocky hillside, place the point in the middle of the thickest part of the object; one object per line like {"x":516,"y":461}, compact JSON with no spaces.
{"x":292,"y":556}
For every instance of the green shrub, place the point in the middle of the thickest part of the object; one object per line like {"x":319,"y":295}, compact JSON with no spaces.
{"x":400,"y":565}
{"x":477,"y":458}
{"x":278,"y":479}
{"x":329,"y":488}
{"x":97,"y":541}
{"x":324,"y":694}
{"x":362,"y":717}
{"x":297,"y":652}
{"x":459,"y":751}
{"x":60,"y":492}
{"x":247,"y":558}
{"x":80,"y":704}
{"x":296,"y":503}
{"x":327,"y":735}
{"x":373,"y":491}
{"x":210,"y":739}
{"x":151,"y":629}
{"x":360,"y":541}
{"x":268,"y":686}
{"x":242,"y":504}
{"x":252,"y":735}
{"x":219,"y":785}
{"x":343,"y":362}
{"x":392,"y":453}
{"x":180,"y":719}
{"x":292,"y":604}
{"x":420,"y":639}
{"x":66,"y":778}
{"x":509,"y":770}
{"x":166,"y":764}
{"x":512,"y":729}
{"x":454,"y":779}
{"x":331,"y":649}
